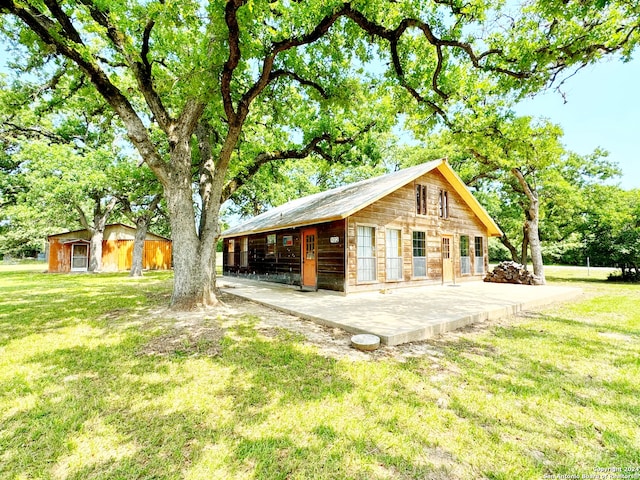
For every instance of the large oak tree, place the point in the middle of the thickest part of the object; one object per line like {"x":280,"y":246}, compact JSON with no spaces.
{"x":209,"y":91}
{"x":523,"y":174}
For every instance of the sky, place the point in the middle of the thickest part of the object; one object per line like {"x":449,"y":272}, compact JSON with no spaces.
{"x":602,"y":110}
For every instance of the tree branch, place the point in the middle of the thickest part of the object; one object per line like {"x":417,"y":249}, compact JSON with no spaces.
{"x":67,"y":27}
{"x":33,"y":132}
{"x":309,"y":83}
{"x":231,"y":19}
{"x":313,"y":146}
{"x":43,"y":27}
{"x":82,"y":217}
{"x":141,"y":69}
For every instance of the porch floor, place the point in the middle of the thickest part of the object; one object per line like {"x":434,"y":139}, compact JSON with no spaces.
{"x":405,"y":314}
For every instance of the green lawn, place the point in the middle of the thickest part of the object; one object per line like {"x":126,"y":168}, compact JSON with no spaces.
{"x":552,"y":393}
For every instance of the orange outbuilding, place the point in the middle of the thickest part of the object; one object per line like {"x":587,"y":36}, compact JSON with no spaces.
{"x":69,"y":251}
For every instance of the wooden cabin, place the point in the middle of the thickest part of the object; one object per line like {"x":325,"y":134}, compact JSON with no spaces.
{"x":416,"y":226}
{"x":69,"y":251}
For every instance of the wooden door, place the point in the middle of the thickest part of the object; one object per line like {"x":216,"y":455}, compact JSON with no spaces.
{"x":309,"y":256}
{"x":447,"y":258}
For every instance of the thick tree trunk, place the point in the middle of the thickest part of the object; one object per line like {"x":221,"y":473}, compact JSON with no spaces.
{"x":531,"y":227}
{"x":95,"y":250}
{"x":194,"y":281}
{"x":536,"y":248}
{"x":138,"y":246}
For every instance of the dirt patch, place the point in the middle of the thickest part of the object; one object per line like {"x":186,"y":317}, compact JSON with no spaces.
{"x":198,"y":333}
{"x":186,"y":340}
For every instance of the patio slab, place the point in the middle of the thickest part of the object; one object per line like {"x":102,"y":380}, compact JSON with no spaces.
{"x":402,"y":315}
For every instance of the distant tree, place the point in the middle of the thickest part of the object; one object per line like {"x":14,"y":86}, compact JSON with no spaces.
{"x":140,"y":198}
{"x":611,"y":230}
{"x":66,"y":185}
{"x":60,"y":145}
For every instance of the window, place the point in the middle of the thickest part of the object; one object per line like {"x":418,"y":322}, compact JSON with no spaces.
{"x":421,"y":199}
{"x":443,"y":204}
{"x":465,"y":259}
{"x":446,"y":248}
{"x":419,"y":254}
{"x":271,"y":244}
{"x":394,"y":254}
{"x":479,"y":255}
{"x":310,"y":247}
{"x":231,"y":253}
{"x":244,"y":252}
{"x":366,"y":248}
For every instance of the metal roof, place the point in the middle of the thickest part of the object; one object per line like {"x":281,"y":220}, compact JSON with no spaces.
{"x":341,"y":202}
{"x":107,"y":227}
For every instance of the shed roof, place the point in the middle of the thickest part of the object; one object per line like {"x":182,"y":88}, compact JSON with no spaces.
{"x":111,"y":226}
{"x":341,"y":202}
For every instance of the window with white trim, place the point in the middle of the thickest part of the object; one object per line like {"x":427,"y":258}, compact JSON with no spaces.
{"x":231,"y":256}
{"x":443,"y":204}
{"x":465,"y":259}
{"x":421,"y":199}
{"x":366,"y":251}
{"x":271,"y":244}
{"x":419,"y":254}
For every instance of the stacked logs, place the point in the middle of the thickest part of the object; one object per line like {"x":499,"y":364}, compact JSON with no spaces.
{"x":511,"y":272}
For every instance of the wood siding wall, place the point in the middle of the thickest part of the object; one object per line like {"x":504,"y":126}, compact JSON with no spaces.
{"x":59,"y":256}
{"x":398,"y":211}
{"x":284,"y":264}
{"x":117,"y":255}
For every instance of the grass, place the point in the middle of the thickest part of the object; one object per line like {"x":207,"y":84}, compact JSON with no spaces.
{"x":555,"y":392}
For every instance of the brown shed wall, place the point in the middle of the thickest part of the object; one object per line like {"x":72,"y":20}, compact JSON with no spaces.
{"x":117,"y":255}
{"x":59,"y":256}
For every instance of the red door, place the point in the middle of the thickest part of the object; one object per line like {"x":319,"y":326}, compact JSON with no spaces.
{"x":309,"y":255}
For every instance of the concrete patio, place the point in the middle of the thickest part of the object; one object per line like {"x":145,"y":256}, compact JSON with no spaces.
{"x":402,"y":315}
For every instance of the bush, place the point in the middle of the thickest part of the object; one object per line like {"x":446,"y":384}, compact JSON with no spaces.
{"x":631,"y":276}
{"x":498,"y":252}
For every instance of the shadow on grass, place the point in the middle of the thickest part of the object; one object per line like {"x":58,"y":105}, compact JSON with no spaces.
{"x":509,"y":403}
{"x":155,"y":431}
{"x":541,"y":374}
{"x":583,"y":279}
{"x":35,"y":303}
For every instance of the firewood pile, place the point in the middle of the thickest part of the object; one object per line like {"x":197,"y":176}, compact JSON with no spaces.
{"x":511,"y":272}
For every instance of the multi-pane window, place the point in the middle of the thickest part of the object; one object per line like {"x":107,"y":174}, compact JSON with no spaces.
{"x":465,"y":259}
{"x":244,"y":252}
{"x":479,"y":255}
{"x":419,"y":254}
{"x":394,"y":254}
{"x":421,"y":199}
{"x":271,"y":244}
{"x":446,"y":248}
{"x":366,"y":248}
{"x":310,"y":247}
{"x":443,"y":204}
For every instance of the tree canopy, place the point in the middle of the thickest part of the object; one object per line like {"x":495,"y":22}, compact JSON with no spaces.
{"x":210,"y":91}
